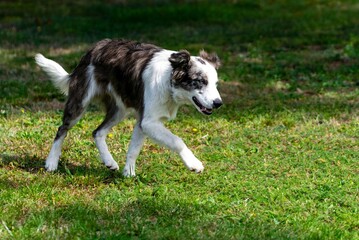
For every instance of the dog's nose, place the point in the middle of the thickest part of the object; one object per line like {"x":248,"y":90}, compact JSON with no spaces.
{"x":217,"y":103}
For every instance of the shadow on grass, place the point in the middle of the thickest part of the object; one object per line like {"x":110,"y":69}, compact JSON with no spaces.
{"x":149,"y":218}
{"x":36,"y":165}
{"x":31,"y":164}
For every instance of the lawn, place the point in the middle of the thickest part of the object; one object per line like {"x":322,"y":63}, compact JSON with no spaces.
{"x":281,"y":156}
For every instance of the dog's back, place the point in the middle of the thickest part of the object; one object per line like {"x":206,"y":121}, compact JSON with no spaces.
{"x":121,"y":64}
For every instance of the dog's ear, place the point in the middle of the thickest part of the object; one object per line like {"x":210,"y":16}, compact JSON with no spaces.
{"x":180,"y":59}
{"x":212,"y":58}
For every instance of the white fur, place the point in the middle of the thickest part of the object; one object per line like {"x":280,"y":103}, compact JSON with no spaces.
{"x":92,"y":89}
{"x":134,"y":149}
{"x":57,"y":74}
{"x":100,"y":141}
{"x":52,"y":160}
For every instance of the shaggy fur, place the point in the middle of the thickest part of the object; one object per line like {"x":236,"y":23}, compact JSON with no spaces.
{"x":127,"y":75}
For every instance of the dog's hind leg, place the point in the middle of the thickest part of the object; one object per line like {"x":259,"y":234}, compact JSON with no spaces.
{"x":114,"y":114}
{"x":72,"y":114}
{"x":134,"y":149}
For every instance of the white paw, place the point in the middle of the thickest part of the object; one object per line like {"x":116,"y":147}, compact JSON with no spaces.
{"x":112,"y":164}
{"x":129,"y":171}
{"x":190,"y":161}
{"x":51,"y":165}
{"x":195,"y":165}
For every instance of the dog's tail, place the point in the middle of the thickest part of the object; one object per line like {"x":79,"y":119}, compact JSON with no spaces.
{"x":57,"y":74}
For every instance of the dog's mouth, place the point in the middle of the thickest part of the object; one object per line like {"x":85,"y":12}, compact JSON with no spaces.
{"x":203,"y":109}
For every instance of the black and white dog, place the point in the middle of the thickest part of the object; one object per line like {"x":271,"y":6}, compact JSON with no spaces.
{"x":127,"y":75}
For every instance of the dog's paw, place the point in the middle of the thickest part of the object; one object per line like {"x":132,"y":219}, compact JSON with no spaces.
{"x":51,"y":166}
{"x":195,"y":165}
{"x":190,"y":161}
{"x":129,"y":171}
{"x":112,"y":165}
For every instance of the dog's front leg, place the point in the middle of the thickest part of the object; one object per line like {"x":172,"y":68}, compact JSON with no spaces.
{"x":134,"y":149}
{"x":159,"y":133}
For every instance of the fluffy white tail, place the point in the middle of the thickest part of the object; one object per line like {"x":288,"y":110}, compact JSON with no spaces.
{"x":57,"y":74}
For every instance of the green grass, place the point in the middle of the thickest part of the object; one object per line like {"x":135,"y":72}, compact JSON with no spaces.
{"x":281,"y":156}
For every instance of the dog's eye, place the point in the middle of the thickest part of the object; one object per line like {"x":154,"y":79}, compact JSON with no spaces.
{"x":199,"y":83}
{"x":195,"y":84}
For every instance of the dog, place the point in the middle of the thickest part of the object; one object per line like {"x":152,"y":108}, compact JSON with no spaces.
{"x":128,"y":75}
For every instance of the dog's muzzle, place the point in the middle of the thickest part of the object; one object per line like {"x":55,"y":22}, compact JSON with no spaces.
{"x":208,"y":111}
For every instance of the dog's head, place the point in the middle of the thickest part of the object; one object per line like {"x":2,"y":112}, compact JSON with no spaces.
{"x":194,"y":79}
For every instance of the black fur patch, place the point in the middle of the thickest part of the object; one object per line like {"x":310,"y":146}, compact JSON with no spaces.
{"x":121,"y":63}
{"x":180,"y":61}
{"x":189,"y":83}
